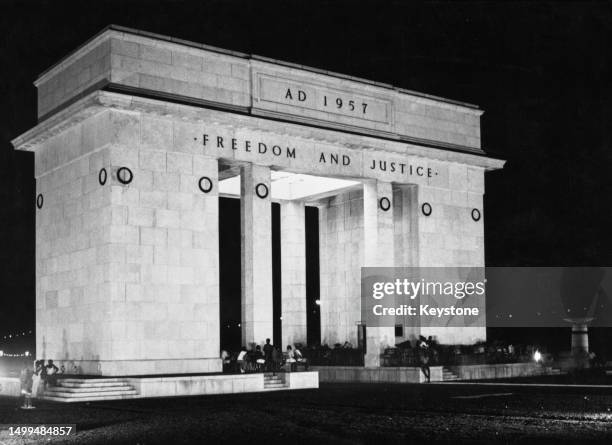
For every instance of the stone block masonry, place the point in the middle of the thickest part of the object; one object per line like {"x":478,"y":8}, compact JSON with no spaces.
{"x":133,"y":128}
{"x":127,"y":274}
{"x":150,"y":63}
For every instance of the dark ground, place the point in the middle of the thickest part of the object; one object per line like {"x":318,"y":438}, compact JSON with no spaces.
{"x":341,"y":413}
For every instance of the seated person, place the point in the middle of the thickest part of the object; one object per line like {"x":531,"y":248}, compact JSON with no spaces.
{"x":241,"y":360}
{"x":225,"y":360}
{"x":290,"y":358}
{"x":259,"y":358}
{"x":299,"y":358}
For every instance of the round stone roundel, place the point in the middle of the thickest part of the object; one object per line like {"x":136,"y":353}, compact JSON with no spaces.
{"x":385,"y":204}
{"x":102,"y":176}
{"x":205,"y":184}
{"x":261,"y":190}
{"x":125,"y":175}
{"x":426,"y":209}
{"x":39,"y":201}
{"x":476,"y":214}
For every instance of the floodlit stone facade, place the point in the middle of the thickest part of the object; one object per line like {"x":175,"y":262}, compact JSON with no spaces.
{"x":136,"y":133}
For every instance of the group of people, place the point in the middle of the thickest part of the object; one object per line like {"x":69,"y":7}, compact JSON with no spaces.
{"x":266,"y":359}
{"x":35,"y":379}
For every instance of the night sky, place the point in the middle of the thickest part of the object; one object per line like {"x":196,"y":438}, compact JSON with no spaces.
{"x":542,"y":73}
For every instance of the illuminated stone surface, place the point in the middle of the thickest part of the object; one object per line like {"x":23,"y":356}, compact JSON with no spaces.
{"x":127,"y":276}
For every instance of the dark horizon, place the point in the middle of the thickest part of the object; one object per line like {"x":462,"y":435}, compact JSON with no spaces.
{"x":541,"y":72}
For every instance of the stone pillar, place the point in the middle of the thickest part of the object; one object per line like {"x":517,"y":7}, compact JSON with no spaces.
{"x":256,"y":244}
{"x":340,"y":259}
{"x":293,"y":273}
{"x":378,"y":236}
{"x":406,"y":221}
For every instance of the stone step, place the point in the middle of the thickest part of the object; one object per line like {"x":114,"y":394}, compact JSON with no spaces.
{"x":279,"y":388}
{"x":70,"y":396}
{"x":89,"y":384}
{"x":105,"y":397}
{"x":88,"y":390}
{"x":448,"y":375}
{"x":95,"y":379}
{"x":56,"y":389}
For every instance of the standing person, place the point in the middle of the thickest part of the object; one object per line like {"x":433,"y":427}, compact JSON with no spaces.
{"x":423,"y":348}
{"x":25,"y":379}
{"x":276,"y":359}
{"x":43,"y":376}
{"x":51,"y":371}
{"x":267,"y":350}
{"x":432,"y":344}
{"x":36,"y":378}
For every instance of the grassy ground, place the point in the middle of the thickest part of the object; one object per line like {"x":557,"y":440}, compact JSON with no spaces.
{"x":340,"y":413}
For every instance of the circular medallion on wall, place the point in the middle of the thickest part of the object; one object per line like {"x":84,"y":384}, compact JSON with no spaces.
{"x":385,"y":204}
{"x":426,"y":209}
{"x":261,"y":190}
{"x":205,"y":184}
{"x":102,"y":176}
{"x":476,"y":214}
{"x":39,"y":201}
{"x":124,"y":175}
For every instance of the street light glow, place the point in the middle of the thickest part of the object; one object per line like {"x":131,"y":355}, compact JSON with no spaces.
{"x":537,"y":356}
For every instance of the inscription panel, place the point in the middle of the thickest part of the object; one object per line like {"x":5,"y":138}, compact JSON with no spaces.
{"x":303,"y":156}
{"x":326,"y":100}
{"x":319,"y":98}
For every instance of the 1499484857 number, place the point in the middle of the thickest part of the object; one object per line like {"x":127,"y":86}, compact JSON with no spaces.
{"x":41,"y":430}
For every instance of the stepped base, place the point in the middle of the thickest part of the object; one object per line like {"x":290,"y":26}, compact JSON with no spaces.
{"x":275,"y":382}
{"x":448,"y":375}
{"x":88,"y":390}
{"x":72,"y":389}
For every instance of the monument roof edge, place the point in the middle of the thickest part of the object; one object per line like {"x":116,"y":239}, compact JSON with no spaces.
{"x":102,"y":99}
{"x":77,"y":111}
{"x":122,"y":29}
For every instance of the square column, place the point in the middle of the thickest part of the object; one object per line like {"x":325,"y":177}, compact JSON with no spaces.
{"x":256,"y":244}
{"x":378,"y":233}
{"x":293,"y":272}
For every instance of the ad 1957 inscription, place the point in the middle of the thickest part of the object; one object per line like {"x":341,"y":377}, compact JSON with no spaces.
{"x":307,"y":95}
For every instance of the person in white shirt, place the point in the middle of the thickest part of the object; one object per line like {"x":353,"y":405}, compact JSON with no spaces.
{"x":241,"y":359}
{"x":299,"y":358}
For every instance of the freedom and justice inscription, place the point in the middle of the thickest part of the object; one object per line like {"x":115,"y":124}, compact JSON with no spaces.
{"x":316,"y":158}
